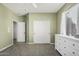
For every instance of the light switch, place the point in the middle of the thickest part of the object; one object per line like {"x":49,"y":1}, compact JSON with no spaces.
{"x":8,"y":29}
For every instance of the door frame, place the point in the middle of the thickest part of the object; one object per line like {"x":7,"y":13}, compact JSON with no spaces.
{"x":13,"y":29}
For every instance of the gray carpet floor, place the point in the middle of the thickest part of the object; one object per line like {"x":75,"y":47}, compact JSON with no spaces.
{"x":23,"y":49}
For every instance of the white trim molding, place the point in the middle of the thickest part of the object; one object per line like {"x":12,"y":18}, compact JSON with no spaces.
{"x":2,"y":49}
{"x":39,"y":43}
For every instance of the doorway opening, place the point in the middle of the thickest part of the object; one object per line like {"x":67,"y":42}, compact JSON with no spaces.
{"x":18,"y":32}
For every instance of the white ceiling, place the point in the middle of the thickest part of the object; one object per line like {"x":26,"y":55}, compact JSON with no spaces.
{"x":23,"y":8}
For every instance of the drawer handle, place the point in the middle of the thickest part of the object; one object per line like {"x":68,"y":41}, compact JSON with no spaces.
{"x":64,"y":54}
{"x":73,"y":44}
{"x":64,"y":47}
{"x":64,"y":41}
{"x":73,"y":52}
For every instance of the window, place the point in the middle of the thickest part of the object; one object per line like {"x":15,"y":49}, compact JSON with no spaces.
{"x":70,"y":22}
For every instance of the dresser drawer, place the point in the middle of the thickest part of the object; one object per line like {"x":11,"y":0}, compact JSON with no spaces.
{"x":73,"y":45}
{"x":70,"y":52}
{"x":65,"y":51}
{"x":74,"y":52}
{"x":65,"y":42}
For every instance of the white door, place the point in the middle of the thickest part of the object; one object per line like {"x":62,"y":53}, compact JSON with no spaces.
{"x":41,"y":30}
{"x":20,"y":32}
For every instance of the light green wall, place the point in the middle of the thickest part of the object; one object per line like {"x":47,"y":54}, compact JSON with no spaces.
{"x":59,"y":14}
{"x":6,"y":17}
{"x":42,"y":16}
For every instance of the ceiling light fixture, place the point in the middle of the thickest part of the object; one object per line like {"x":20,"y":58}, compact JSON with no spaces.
{"x":35,"y":5}
{"x":26,"y":11}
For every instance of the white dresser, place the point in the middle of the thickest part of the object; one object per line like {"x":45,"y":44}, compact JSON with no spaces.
{"x":67,"y":46}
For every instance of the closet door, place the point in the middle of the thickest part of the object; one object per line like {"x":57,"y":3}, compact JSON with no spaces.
{"x":41,"y":30}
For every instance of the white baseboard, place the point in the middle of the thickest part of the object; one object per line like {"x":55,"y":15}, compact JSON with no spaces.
{"x":6,"y":47}
{"x":39,"y":43}
{"x":52,"y":43}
